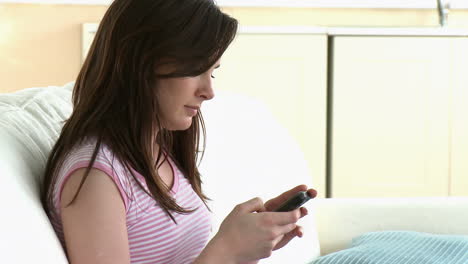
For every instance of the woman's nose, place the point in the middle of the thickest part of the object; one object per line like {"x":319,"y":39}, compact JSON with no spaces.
{"x":206,"y":90}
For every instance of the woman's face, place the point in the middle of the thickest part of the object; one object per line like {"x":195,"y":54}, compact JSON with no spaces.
{"x":181,"y":98}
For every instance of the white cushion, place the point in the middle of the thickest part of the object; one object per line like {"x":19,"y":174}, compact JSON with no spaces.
{"x":339,"y":220}
{"x":249,"y":154}
{"x":30,"y":121}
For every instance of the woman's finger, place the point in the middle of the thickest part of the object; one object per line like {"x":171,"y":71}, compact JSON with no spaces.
{"x":304,"y":212}
{"x":286,"y":238}
{"x":277,"y":201}
{"x":283,"y":218}
{"x":252,"y":205}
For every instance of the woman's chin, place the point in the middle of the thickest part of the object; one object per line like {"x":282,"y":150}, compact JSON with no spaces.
{"x":180,"y":126}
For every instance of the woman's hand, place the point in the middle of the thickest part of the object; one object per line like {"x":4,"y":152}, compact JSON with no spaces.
{"x":274,"y":203}
{"x":249,"y":233}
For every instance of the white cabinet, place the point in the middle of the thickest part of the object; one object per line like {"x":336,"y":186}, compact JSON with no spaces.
{"x":392,"y":117}
{"x":459,"y":122}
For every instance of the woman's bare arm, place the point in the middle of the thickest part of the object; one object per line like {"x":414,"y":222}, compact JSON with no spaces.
{"x":95,"y":224}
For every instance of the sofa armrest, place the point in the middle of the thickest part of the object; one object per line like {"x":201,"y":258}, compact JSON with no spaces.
{"x":339,"y":220}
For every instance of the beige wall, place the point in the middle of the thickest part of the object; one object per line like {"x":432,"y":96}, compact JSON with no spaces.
{"x":40,"y":44}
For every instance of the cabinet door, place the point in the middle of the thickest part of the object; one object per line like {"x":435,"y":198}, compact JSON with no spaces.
{"x":390,"y":134}
{"x":459,"y":143}
{"x":288,"y":73}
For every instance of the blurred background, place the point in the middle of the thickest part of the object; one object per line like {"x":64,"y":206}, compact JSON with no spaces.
{"x":374,"y":92}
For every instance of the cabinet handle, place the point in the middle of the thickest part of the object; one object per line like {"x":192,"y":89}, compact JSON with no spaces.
{"x":443,"y":10}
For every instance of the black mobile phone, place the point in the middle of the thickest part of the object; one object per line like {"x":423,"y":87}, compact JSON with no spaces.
{"x":294,"y":202}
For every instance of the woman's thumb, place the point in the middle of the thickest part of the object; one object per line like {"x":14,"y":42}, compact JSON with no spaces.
{"x":252,"y":205}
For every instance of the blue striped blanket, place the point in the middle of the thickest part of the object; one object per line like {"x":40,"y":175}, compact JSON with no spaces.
{"x":401,"y":247}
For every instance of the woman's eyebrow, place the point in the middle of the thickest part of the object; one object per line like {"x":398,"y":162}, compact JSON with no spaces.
{"x":219,"y":65}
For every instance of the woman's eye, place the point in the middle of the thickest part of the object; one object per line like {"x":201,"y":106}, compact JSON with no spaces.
{"x":212,"y":76}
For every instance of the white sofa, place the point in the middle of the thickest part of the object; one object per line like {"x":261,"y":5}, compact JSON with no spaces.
{"x":248,"y":154}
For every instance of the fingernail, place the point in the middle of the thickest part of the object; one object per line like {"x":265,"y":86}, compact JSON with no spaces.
{"x":300,"y":232}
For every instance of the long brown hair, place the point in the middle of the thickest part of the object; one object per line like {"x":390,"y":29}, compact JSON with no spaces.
{"x":115,"y":99}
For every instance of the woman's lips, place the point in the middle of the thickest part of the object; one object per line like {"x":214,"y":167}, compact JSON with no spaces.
{"x":192,"y":110}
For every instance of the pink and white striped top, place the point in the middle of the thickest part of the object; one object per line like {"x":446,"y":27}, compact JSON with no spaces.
{"x":153,"y":236}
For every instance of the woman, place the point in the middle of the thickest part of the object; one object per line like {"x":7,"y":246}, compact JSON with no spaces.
{"x":121,"y":183}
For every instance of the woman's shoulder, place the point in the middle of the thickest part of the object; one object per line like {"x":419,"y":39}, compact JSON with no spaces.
{"x":85,"y":149}
{"x":81,"y":155}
